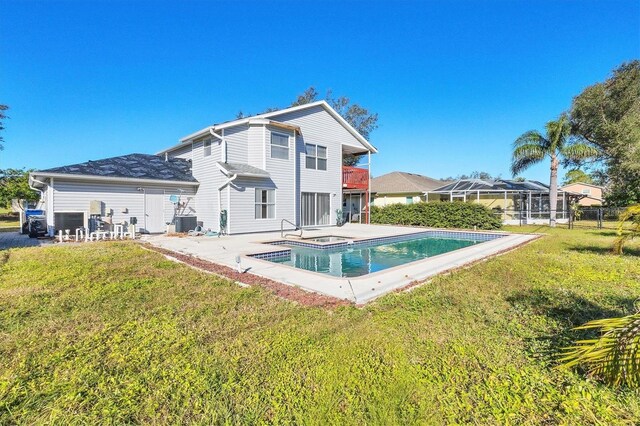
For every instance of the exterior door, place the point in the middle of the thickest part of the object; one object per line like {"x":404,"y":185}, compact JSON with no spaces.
{"x":315,"y":209}
{"x":154,"y":211}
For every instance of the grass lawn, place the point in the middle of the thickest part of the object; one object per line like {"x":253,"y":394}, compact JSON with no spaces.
{"x":8,"y":221}
{"x":112,"y":333}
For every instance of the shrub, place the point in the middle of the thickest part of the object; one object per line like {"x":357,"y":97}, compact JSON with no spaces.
{"x":437,"y":215}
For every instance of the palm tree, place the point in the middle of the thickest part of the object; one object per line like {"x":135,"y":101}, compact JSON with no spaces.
{"x":533,"y":147}
{"x":613,"y":356}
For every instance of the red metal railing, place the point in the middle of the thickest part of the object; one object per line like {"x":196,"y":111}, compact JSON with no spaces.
{"x":355,"y":178}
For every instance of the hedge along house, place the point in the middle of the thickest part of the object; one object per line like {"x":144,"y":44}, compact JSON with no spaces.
{"x":515,"y":202}
{"x":138,"y":188}
{"x":403,"y":188}
{"x":276,"y":170}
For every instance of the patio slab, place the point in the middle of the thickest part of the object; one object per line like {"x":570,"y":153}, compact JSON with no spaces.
{"x":226,"y":250}
{"x":14,"y":239}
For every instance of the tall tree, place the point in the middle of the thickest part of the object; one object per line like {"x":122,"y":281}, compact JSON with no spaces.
{"x":359,"y":117}
{"x":607,"y":115}
{"x":14,"y":184}
{"x":533,"y":147}
{"x":577,"y":176}
{"x":3,"y":116}
{"x":306,"y":97}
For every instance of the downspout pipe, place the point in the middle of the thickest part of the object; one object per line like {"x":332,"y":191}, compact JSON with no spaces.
{"x":220,"y":188}
{"x":223,"y":142}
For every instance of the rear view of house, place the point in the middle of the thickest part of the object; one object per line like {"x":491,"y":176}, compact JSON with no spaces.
{"x":263,"y":173}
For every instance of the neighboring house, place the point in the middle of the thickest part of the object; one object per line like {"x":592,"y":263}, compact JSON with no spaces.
{"x":401,"y":187}
{"x":514,"y":201}
{"x":282,"y":168}
{"x":592,"y":194}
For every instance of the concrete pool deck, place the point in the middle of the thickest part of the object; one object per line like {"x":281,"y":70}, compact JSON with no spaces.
{"x":225,"y":250}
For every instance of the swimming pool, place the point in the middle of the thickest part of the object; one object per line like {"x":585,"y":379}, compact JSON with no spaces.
{"x":362,"y":257}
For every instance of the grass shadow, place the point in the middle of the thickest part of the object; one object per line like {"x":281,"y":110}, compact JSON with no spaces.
{"x":629,"y":251}
{"x":562,"y":312}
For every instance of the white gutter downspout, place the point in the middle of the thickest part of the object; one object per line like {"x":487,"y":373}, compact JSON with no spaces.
{"x":223,"y":143}
{"x":227,"y":182}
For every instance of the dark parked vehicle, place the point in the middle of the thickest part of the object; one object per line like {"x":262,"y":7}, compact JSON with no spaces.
{"x":36,"y":226}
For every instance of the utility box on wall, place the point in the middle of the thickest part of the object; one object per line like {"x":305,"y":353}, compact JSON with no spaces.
{"x":96,"y":207}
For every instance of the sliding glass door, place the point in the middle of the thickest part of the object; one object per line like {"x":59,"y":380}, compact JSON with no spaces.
{"x":315,"y":209}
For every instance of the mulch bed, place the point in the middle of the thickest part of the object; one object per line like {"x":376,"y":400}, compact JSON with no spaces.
{"x":281,"y":290}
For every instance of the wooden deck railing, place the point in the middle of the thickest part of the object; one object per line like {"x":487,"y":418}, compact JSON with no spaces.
{"x":355,"y":178}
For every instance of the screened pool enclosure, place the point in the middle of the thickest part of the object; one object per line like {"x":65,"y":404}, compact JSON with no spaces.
{"x":513,"y":201}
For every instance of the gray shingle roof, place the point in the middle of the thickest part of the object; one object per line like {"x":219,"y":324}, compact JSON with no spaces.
{"x":493,"y":185}
{"x":242,"y":169}
{"x":401,"y":182}
{"x":132,"y":166}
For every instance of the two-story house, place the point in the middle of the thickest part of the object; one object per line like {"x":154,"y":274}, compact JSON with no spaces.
{"x":261,"y":172}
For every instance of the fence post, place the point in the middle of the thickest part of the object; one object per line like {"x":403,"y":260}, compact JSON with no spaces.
{"x":600,"y":217}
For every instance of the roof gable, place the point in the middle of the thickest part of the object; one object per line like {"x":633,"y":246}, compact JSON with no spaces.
{"x":333,"y":113}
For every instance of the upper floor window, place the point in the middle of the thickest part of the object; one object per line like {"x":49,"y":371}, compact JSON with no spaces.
{"x":265,"y":203}
{"x":279,"y":146}
{"x":316,"y":157}
{"x":586,"y":191}
{"x":207,"y":148}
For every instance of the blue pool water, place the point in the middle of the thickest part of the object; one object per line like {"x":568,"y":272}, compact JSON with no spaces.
{"x":365,"y":257}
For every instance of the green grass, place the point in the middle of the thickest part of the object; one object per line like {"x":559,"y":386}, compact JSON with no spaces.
{"x":110,"y":333}
{"x":8,"y":221}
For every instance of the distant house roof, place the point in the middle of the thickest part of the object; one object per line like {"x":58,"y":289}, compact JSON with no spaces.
{"x":401,"y":182}
{"x":584,"y":184}
{"x":482,"y":185}
{"x":241,"y":169}
{"x":132,"y":166}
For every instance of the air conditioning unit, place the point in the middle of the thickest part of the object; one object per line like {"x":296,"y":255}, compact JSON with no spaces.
{"x":186,"y":223}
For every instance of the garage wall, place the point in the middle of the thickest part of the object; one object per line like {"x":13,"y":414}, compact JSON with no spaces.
{"x":123,"y":199}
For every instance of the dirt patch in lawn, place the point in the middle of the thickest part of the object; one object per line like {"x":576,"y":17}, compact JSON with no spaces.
{"x":281,"y":290}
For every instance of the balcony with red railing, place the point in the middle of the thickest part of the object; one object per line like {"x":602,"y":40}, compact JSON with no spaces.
{"x":355,"y":178}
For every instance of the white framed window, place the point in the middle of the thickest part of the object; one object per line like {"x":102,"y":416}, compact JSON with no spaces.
{"x":279,"y":146}
{"x":586,"y":191}
{"x":265,"y":203}
{"x":207,"y":148}
{"x":316,"y":157}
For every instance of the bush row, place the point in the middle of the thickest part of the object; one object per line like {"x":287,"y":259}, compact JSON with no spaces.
{"x":437,"y":215}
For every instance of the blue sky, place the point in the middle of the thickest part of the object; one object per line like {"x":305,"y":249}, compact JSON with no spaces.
{"x":454,"y":83}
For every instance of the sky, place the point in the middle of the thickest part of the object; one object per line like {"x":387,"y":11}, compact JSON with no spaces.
{"x":454,"y":83}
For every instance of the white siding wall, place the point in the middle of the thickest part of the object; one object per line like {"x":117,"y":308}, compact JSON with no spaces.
{"x":75,"y":196}
{"x":282,"y":172}
{"x":237,"y":144}
{"x":320,"y":128}
{"x":206,"y":171}
{"x":255,"y":152}
{"x":184,"y":152}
